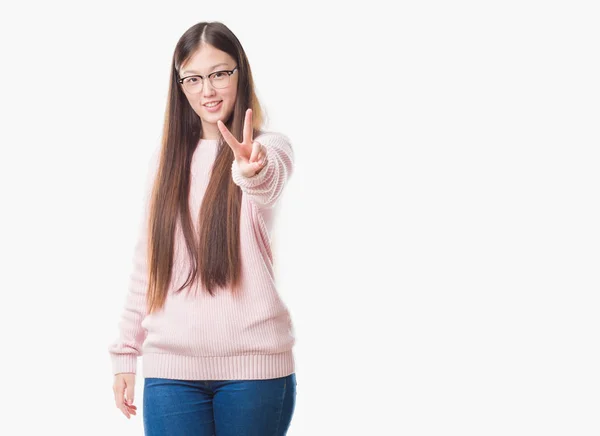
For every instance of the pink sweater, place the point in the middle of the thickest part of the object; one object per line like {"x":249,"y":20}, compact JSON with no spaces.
{"x":249,"y":336}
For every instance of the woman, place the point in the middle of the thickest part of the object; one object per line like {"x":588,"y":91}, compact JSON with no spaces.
{"x":202,"y":308}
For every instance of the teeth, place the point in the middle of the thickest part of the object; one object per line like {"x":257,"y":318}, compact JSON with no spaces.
{"x":212,"y":104}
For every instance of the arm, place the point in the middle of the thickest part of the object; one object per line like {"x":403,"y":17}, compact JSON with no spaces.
{"x":125,"y":350}
{"x":265,"y":187}
{"x":128,"y":346}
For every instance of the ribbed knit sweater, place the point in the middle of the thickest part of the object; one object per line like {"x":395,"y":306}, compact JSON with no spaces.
{"x":197,"y":336}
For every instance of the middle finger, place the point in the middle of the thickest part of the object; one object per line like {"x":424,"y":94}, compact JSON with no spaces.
{"x":247,"y":127}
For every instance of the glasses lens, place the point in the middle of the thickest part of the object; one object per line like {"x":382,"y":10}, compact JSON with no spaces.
{"x":192,"y":84}
{"x":219,"y":79}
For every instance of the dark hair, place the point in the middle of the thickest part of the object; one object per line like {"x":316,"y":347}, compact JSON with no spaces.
{"x":215,"y":250}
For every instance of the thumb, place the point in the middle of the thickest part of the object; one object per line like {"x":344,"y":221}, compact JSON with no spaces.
{"x":130,"y":393}
{"x":119,"y":389}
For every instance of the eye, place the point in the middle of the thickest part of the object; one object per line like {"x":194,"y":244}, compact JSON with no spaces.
{"x":219,"y":74}
{"x":190,"y":80}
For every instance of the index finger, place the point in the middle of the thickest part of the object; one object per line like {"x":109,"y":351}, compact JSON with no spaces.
{"x":228,"y":136}
{"x":248,"y":127}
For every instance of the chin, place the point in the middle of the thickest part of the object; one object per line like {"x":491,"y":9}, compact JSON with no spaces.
{"x":212,"y":114}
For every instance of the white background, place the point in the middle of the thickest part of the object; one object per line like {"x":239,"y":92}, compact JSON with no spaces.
{"x":437,"y":246}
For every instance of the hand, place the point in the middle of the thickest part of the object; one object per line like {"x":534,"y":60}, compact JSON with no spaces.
{"x":125,"y":382}
{"x":251,"y":156}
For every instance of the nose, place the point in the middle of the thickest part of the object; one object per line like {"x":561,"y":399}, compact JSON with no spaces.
{"x":207,"y":87}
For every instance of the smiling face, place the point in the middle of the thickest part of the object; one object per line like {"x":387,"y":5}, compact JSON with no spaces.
{"x":208,"y":59}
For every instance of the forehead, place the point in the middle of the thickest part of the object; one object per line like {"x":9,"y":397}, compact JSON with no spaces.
{"x":206,"y":59}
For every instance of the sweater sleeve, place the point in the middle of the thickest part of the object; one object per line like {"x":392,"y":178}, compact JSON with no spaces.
{"x":125,"y":350}
{"x":267,"y":186}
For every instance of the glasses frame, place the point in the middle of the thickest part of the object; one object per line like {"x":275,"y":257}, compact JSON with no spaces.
{"x":229,"y":72}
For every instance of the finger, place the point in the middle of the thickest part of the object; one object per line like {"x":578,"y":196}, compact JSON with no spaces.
{"x":263,"y":159}
{"x":118,"y":389}
{"x":229,"y":138}
{"x":260,"y":164}
{"x":248,"y":127}
{"x":123,"y":409}
{"x":256,"y":150}
{"x":257,"y":167}
{"x":130,"y":394}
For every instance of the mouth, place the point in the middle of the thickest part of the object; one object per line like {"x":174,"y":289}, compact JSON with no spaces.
{"x":213,"y":107}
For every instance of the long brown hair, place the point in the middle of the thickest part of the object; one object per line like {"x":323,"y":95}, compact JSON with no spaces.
{"x":214,"y":252}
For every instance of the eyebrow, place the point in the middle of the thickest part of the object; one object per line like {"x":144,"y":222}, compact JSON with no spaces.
{"x":211,"y":68}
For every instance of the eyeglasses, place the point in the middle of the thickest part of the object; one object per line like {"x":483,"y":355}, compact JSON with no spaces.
{"x":218,"y":79}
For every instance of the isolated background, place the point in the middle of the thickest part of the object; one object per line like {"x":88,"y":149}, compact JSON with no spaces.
{"x":437,"y":246}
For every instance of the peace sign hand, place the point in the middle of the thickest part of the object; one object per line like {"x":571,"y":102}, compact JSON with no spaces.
{"x":251,"y":156}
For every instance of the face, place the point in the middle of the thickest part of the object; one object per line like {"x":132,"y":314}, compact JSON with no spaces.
{"x":205,"y":60}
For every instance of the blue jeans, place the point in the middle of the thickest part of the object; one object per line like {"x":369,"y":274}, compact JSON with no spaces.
{"x":218,"y":407}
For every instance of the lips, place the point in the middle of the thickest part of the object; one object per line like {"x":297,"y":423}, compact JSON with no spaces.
{"x":211,"y":102}
{"x":214,"y":109}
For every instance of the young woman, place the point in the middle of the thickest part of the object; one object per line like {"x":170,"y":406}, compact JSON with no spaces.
{"x":202,"y":308}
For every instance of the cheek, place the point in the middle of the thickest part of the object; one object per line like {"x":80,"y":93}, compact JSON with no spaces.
{"x":192,"y":101}
{"x":230,"y":97}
